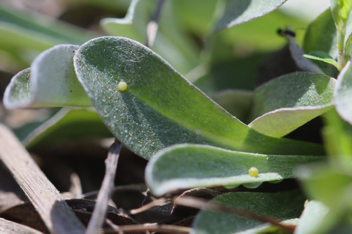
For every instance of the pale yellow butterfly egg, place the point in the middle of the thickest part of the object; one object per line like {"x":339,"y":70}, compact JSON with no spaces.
{"x":253,"y":171}
{"x":122,"y":86}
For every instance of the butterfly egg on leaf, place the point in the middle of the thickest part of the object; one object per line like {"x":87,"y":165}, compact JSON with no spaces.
{"x":253,"y":172}
{"x":122,"y":86}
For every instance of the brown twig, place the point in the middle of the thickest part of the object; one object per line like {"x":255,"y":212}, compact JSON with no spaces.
{"x":157,"y":202}
{"x":147,"y":227}
{"x":105,"y":191}
{"x":52,"y":208}
{"x":205,"y":205}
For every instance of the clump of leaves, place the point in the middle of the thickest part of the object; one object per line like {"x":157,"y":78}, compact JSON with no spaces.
{"x":200,"y":120}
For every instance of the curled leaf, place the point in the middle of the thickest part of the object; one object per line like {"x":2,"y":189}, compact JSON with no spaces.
{"x":50,"y":82}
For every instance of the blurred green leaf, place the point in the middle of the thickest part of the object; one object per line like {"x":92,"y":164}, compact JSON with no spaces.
{"x":259,"y":35}
{"x":50,"y":82}
{"x":337,"y":138}
{"x":331,"y":185}
{"x":196,"y":16}
{"x":23,"y":131}
{"x":312,"y":217}
{"x":22,"y":31}
{"x":187,"y":166}
{"x":159,"y":107}
{"x":239,"y":12}
{"x":67,"y":125}
{"x":283,"y":205}
{"x":288,"y":102}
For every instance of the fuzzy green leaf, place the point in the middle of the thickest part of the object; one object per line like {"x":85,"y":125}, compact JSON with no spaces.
{"x":187,"y":166}
{"x":288,"y":102}
{"x":50,"y":82}
{"x":343,"y":93}
{"x":159,"y":107}
{"x":239,"y":12}
{"x":284,"y":205}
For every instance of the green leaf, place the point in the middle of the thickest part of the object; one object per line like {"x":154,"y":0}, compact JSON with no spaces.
{"x":343,"y":93}
{"x":288,"y":102}
{"x":67,"y":125}
{"x":322,"y":56}
{"x":237,"y":102}
{"x":284,"y":205}
{"x":321,"y":36}
{"x":340,"y":11}
{"x":239,"y":12}
{"x":312,"y":217}
{"x":50,"y":82}
{"x":187,"y":166}
{"x":159,"y":107}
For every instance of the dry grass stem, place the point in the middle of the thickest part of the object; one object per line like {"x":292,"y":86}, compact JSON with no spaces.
{"x":100,"y":209}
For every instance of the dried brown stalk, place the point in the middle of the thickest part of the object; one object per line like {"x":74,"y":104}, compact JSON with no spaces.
{"x":52,"y":208}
